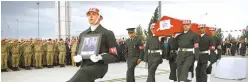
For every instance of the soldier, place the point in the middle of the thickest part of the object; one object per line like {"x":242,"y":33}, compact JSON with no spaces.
{"x":134,"y":54}
{"x":15,"y":50}
{"x":97,"y":66}
{"x":68,"y":52}
{"x":4,"y":55}
{"x":50,"y":47}
{"x":27,"y":54}
{"x":44,"y":60}
{"x":38,"y":49}
{"x":172,"y":48}
{"x":153,"y":55}
{"x":187,"y":41}
{"x":216,"y":55}
{"x":62,"y":52}
{"x":73,"y":51}
{"x":206,"y":45}
{"x":56,"y":53}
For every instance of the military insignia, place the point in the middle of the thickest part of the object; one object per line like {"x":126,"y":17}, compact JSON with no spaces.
{"x":196,"y":45}
{"x":113,"y":50}
{"x":212,"y":48}
{"x":141,"y":47}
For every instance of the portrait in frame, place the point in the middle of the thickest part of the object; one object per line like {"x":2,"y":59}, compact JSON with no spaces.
{"x":89,"y":45}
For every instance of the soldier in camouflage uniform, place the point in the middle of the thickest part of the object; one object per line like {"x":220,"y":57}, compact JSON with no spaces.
{"x":38,"y":48}
{"x":27,"y":54}
{"x":44,"y":60}
{"x":15,"y":50}
{"x":56,"y":52}
{"x":62,"y":52}
{"x":4,"y":56}
{"x":73,"y":51}
{"x":50,"y":47}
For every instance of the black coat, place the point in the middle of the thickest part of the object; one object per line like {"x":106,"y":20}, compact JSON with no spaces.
{"x":89,"y":70}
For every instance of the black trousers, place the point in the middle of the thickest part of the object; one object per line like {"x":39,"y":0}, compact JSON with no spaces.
{"x":90,"y":73}
{"x":173,"y":66}
{"x":131,"y":64}
{"x":152,"y":67}
{"x":68,"y":59}
{"x":184,"y":61}
{"x":201,"y":74}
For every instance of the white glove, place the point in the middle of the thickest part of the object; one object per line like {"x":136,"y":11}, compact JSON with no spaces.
{"x":95,"y":58}
{"x":193,"y":51}
{"x":208,"y":63}
{"x":77,"y":58}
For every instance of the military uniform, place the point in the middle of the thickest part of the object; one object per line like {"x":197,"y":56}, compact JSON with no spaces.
{"x":50,"y":48}
{"x":187,"y":41}
{"x":27,"y":54}
{"x":62,"y":53}
{"x":134,"y":55}
{"x":38,"y":49}
{"x":4,"y":56}
{"x":15,"y":50}
{"x":206,"y":45}
{"x":216,"y":55}
{"x":73,"y":51}
{"x":153,"y":55}
{"x":89,"y":70}
{"x":172,"y":48}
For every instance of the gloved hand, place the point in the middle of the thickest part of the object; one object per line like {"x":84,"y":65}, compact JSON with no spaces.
{"x":95,"y":58}
{"x":77,"y":58}
{"x":208,"y":63}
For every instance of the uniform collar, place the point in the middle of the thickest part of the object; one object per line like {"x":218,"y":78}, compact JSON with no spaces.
{"x":97,"y":29}
{"x":202,"y":35}
{"x":93,"y":27}
{"x":185,"y":31}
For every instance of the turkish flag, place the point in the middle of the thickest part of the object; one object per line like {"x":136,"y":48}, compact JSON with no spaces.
{"x":167,"y":25}
{"x":195,"y":29}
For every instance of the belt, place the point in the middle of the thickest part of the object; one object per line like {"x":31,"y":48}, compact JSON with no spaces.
{"x":216,"y":51}
{"x":155,"y":51}
{"x":205,"y":52}
{"x":186,"y":49}
{"x":173,"y":51}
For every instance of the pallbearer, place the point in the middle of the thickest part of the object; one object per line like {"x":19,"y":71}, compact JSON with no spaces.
{"x":187,"y":41}
{"x":153,"y":55}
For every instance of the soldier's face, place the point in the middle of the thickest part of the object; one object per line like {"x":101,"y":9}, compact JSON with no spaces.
{"x":203,"y":30}
{"x":186,"y":27}
{"x":131,"y":34}
{"x":213,"y":32}
{"x":92,"y":17}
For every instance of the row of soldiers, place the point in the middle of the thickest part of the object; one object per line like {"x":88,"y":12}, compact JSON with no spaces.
{"x":36,"y":53}
{"x":189,"y":54}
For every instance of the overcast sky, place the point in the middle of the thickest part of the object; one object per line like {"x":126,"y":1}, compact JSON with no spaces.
{"x":119,"y":15}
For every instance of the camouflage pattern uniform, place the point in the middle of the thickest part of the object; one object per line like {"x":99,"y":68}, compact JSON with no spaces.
{"x":62,"y":52}
{"x":73,"y":51}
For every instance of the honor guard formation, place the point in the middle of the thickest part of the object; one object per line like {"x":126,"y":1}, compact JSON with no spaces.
{"x":189,"y":54}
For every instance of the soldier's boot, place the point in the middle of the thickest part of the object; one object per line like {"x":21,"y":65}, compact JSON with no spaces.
{"x":16,"y":69}
{"x":4,"y":70}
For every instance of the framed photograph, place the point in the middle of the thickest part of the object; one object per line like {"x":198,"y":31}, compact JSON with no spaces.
{"x":89,"y":45}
